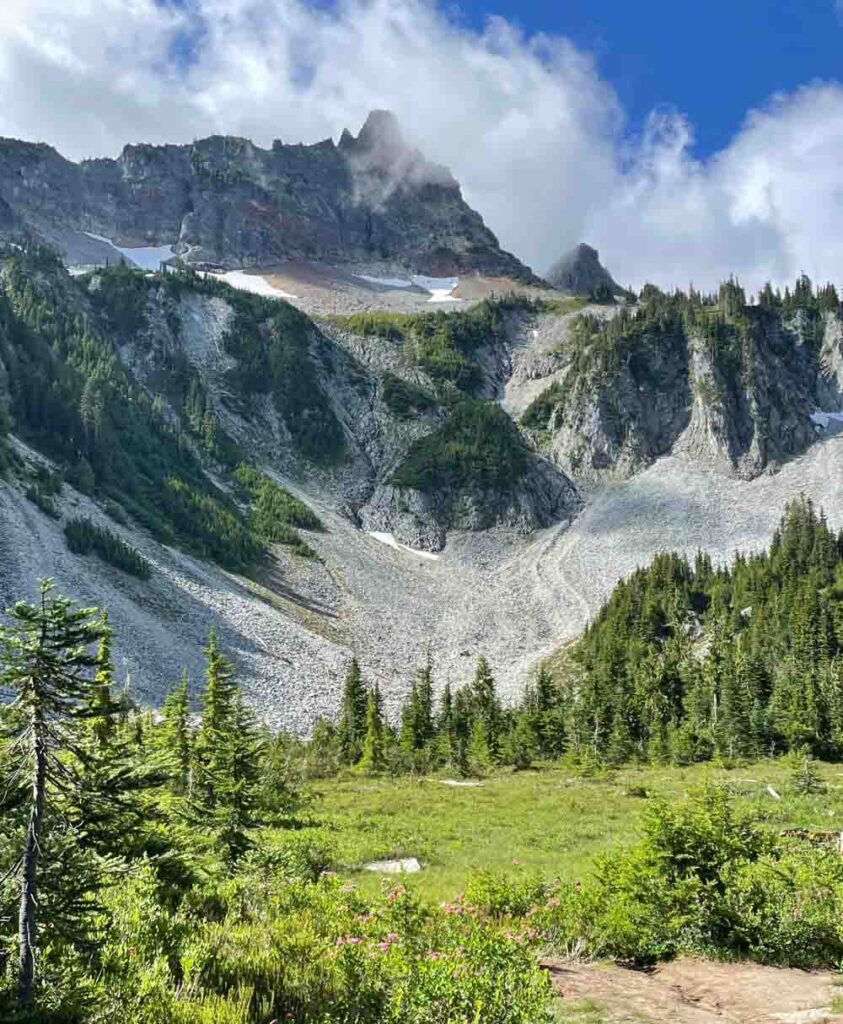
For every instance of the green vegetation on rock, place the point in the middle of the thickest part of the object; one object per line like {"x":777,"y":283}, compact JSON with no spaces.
{"x":477,"y":446}
{"x":84,"y":537}
{"x":403,"y":399}
{"x":444,"y":345}
{"x":276,"y":515}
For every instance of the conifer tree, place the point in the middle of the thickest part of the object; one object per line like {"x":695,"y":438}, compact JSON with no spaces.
{"x":522,"y":742}
{"x":49,"y":666}
{"x":352,"y":723}
{"x":238,"y":786}
{"x":218,"y":715}
{"x":175,"y":732}
{"x":486,"y":708}
{"x":373,"y":759}
{"x":417,"y":721}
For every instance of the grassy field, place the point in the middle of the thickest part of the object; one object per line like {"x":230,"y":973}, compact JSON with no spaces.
{"x":549,"y":822}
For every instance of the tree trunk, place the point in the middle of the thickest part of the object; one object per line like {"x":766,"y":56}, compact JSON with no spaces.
{"x":29,"y":881}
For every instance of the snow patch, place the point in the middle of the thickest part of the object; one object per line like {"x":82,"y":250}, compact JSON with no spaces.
{"x":390,"y":541}
{"x":440,"y":288}
{"x":253,"y":283}
{"x":386,"y":282}
{"x":147,"y":257}
{"x":826,"y":419}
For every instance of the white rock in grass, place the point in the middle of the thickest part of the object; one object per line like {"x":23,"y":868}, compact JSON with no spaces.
{"x":406,"y":865}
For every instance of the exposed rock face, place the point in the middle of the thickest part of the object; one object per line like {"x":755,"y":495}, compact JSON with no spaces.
{"x":422,"y":519}
{"x":581,"y":272}
{"x":226,"y":202}
{"x":739,"y":397}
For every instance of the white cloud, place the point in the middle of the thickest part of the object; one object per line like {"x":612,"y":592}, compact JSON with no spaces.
{"x":525,"y":123}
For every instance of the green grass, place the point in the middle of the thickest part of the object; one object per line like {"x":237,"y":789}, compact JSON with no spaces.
{"x":578,"y":1011}
{"x":551,"y":822}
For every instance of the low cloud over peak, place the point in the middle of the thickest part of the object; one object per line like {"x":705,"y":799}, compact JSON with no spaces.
{"x":526,"y":124}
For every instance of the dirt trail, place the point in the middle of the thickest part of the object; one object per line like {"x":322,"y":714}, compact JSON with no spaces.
{"x":689,"y":991}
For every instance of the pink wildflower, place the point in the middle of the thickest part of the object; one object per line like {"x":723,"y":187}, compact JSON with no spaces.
{"x":554,"y":901}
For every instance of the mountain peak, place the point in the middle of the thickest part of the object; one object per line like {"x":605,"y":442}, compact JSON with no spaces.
{"x":580,"y":271}
{"x":382,"y":128}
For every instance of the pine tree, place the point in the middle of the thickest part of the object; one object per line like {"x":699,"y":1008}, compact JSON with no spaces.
{"x":49,"y":667}
{"x":522,"y":743}
{"x":175,"y":732}
{"x":372,"y":759}
{"x":352,"y":724}
{"x":417,"y":722}
{"x":486,"y":707}
{"x":218,"y":715}
{"x":238,"y":783}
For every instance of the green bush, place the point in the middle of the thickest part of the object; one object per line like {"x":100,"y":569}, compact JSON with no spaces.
{"x":703,"y":879}
{"x":477,"y":446}
{"x":402,"y":398}
{"x":84,"y":537}
{"x":311,"y":951}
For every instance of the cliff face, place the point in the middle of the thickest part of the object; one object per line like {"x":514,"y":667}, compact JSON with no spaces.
{"x":227,"y":202}
{"x":734,"y":386}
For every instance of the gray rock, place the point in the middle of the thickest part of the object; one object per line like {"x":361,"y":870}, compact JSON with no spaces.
{"x":226,"y":202}
{"x":581,"y":272}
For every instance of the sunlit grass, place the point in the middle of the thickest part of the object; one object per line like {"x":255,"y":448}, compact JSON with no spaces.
{"x":549,"y":822}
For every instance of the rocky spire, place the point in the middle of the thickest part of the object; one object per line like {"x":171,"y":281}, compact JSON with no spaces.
{"x":581,"y":272}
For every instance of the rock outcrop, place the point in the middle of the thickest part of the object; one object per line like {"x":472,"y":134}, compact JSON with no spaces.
{"x":581,"y":272}
{"x":226,"y":202}
{"x":739,"y":389}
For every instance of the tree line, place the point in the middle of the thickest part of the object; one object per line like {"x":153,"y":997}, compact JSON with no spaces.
{"x":686,"y":661}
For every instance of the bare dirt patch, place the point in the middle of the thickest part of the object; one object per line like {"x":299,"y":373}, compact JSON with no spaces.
{"x":689,"y":991}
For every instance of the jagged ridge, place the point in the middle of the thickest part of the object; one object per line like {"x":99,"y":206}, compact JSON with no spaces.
{"x":225,"y":201}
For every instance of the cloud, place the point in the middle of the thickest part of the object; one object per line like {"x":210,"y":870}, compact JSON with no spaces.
{"x":525,"y":122}
{"x":768,"y":207}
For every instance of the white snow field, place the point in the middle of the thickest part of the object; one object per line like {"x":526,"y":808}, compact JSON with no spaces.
{"x":390,"y":541}
{"x":440,"y":288}
{"x":147,"y":257}
{"x":253,"y":283}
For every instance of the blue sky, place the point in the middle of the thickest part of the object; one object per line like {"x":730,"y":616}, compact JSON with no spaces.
{"x":711,"y":59}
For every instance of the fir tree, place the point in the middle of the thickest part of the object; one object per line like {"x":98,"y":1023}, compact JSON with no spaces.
{"x":373,"y":757}
{"x":49,"y":666}
{"x":352,"y":723}
{"x":175,"y":732}
{"x":219,"y":704}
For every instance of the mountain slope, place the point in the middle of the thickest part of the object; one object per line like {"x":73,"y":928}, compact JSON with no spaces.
{"x":151,"y":404}
{"x":735,"y":385}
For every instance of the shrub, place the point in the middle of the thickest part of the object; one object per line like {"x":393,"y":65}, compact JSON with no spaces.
{"x":84,"y":537}
{"x":477,"y":446}
{"x":704,"y":879}
{"x":310,"y":951}
{"x":403,"y":398}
